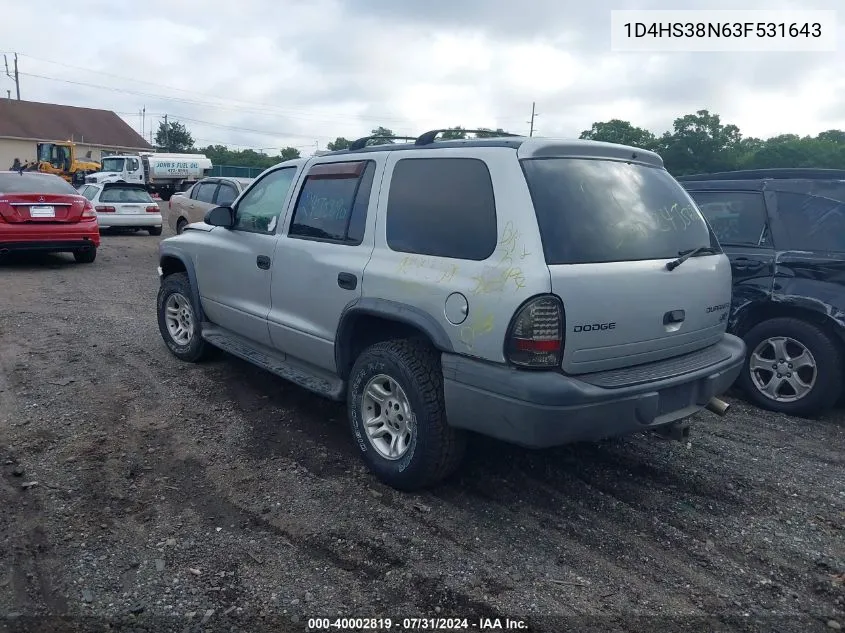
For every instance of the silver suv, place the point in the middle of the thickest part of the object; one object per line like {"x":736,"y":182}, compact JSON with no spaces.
{"x":535,"y":290}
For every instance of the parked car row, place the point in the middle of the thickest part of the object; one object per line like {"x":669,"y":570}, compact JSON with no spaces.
{"x":43,"y":212}
{"x":191,"y":205}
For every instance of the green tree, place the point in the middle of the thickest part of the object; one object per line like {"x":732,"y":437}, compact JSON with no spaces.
{"x":174,"y":137}
{"x":289,"y":153}
{"x":383,"y":132}
{"x":454,"y":134}
{"x":338,"y":144}
{"x":700,"y":143}
{"x":621,"y":132}
{"x":486,"y":132}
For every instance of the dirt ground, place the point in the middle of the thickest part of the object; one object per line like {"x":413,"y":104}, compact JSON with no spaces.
{"x":146,"y":494}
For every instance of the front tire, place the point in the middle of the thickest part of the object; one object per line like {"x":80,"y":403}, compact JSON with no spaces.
{"x":86,"y":256}
{"x":398,"y":418}
{"x":177,"y":320}
{"x":792,"y":367}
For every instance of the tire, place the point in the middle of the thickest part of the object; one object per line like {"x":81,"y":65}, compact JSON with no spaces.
{"x":86,"y":256}
{"x":154,"y":230}
{"x":824,"y":351}
{"x":434,"y":449}
{"x":178,"y":288}
{"x":180,"y":225}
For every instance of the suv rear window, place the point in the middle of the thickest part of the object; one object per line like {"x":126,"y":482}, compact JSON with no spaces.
{"x":594,"y":211}
{"x":125,"y":194}
{"x":35,"y":183}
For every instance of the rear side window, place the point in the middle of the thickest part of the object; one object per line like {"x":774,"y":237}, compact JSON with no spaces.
{"x":333,"y":202}
{"x":125,"y":194}
{"x":443,"y":207}
{"x":226,"y":195}
{"x":35,"y":183}
{"x":204,"y":192}
{"x":594,"y":211}
{"x":811,"y":223}
{"x":90,"y":192}
{"x":736,"y":217}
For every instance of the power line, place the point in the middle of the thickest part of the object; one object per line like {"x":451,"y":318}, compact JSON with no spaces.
{"x":260,"y":108}
{"x":307,"y":113}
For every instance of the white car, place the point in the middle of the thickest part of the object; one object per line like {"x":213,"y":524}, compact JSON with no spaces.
{"x":124,"y":205}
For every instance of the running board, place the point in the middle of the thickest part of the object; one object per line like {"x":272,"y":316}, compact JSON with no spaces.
{"x":302,"y":374}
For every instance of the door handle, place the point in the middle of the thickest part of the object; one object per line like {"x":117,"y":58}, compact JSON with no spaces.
{"x":675,"y":316}
{"x":263,"y":262}
{"x":347,"y":281}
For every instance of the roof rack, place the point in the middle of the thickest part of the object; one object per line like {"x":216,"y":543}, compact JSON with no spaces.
{"x":361,"y":143}
{"x":796,"y":173}
{"x":427,"y":138}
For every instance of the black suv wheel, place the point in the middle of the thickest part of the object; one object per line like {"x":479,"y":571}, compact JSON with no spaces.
{"x":792,"y":367}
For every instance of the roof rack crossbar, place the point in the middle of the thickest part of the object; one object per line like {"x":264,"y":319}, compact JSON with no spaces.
{"x":427,"y":138}
{"x":361,"y":143}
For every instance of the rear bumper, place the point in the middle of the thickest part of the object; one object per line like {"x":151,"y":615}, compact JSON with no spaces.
{"x":49,"y":237}
{"x":542,"y":409}
{"x":109,"y":220}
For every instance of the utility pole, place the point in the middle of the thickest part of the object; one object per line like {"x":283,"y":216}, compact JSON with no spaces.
{"x":166,"y":134}
{"x":533,"y":116}
{"x":16,"y":76}
{"x":143,"y":120}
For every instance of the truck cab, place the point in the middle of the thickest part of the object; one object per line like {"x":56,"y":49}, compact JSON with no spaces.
{"x":119,"y":168}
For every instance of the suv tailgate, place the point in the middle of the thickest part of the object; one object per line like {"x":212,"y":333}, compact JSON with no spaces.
{"x":609,"y":227}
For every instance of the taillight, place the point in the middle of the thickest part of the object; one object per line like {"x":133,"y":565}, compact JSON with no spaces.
{"x":88,"y":210}
{"x":535,"y":336}
{"x":105,"y":209}
{"x":152,"y":209}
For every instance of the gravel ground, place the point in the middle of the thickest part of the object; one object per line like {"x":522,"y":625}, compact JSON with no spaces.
{"x":157,"y":495}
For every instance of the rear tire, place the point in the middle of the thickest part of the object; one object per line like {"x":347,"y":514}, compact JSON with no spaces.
{"x":822,"y":349}
{"x":86,"y":256}
{"x":174,"y":308}
{"x":407,"y":375}
{"x":154,"y":230}
{"x":180,"y":225}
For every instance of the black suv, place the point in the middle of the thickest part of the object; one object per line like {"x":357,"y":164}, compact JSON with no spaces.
{"x":784,"y":231}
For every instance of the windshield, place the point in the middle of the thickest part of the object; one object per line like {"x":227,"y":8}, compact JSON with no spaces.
{"x":112,"y":164}
{"x":34,"y":183}
{"x":125,"y":194}
{"x":592,"y":211}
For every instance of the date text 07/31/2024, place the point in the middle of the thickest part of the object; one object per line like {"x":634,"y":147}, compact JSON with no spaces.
{"x":416,"y":624}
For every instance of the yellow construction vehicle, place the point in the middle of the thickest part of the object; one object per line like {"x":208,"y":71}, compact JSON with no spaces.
{"x":61,"y":159}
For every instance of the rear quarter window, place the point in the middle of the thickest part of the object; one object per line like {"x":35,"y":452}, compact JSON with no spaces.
{"x":595,"y":211}
{"x":811,"y":223}
{"x":443,"y":207}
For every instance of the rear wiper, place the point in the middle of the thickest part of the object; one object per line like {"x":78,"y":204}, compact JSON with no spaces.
{"x":685,"y":255}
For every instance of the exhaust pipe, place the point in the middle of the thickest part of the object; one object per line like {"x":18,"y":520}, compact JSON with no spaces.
{"x":719,"y":407}
{"x":3,"y":251}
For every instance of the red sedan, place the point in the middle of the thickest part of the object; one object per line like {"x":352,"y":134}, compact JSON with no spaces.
{"x":42,"y":212}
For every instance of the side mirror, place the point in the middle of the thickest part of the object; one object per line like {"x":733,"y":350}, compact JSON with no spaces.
{"x":220,"y":216}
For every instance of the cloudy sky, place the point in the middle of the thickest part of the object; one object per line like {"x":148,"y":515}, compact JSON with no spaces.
{"x":271,"y":73}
